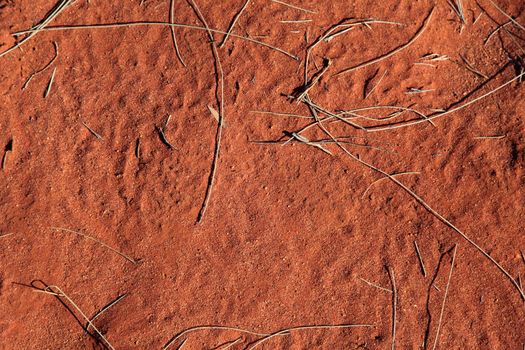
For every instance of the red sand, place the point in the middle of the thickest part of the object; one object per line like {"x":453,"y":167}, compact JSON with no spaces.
{"x":288,"y":236}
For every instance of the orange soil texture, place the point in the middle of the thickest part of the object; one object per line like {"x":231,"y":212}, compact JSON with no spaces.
{"x":101,"y":190}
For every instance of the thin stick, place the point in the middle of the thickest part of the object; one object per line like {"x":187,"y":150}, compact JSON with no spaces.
{"x":420,"y":258}
{"x":137,"y":148}
{"x":390,"y":116}
{"x":92,"y":131}
{"x":50,"y":83}
{"x":288,"y":330}
{"x":182,"y":344}
{"x":522,"y":257}
{"x":425,"y":64}
{"x":7,"y":234}
{"x":376,"y":285}
{"x":173,"y":36}
{"x":152,"y":23}
{"x":342,"y":140}
{"x":350,"y":26}
{"x":394,"y":305}
{"x":395,"y":114}
{"x":321,"y":142}
{"x":230,"y":344}
{"x":393,"y":52}
{"x":498,"y":28}
{"x":8,"y":148}
{"x":60,"y":294}
{"x":376,"y":85}
{"x":283,"y":114}
{"x":416,"y":90}
{"x":164,"y":139}
{"x":384,"y":178}
{"x":131,"y":260}
{"x":285,"y":21}
{"x":477,"y":18}
{"x":42,"y":69}
{"x":441,"y":114}
{"x":336,"y":34}
{"x":210,"y":328}
{"x":234,"y":20}
{"x":494,"y":137}
{"x":59,"y":7}
{"x":105,"y":308}
{"x":293,"y":6}
{"x":471,"y":68}
{"x":435,"y":57}
{"x":507,"y":15}
{"x":219,"y":94}
{"x":445,"y":298}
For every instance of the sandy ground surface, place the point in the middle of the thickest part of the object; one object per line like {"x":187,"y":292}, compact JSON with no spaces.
{"x":294,"y":235}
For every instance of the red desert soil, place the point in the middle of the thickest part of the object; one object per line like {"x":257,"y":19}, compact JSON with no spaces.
{"x":100,"y":195}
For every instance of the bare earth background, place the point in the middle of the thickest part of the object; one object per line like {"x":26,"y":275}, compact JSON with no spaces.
{"x":288,"y":235}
